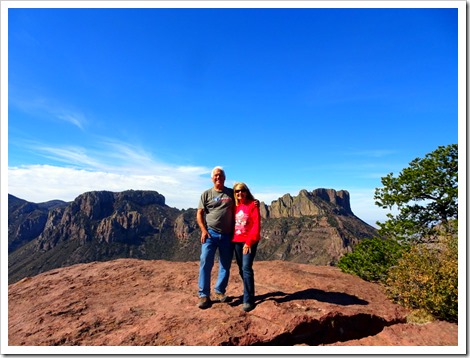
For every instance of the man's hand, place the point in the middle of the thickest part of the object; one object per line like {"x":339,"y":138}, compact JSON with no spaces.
{"x":204,"y":234}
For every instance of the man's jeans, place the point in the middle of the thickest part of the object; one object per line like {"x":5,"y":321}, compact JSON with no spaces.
{"x":245,"y":267}
{"x":223,"y":242}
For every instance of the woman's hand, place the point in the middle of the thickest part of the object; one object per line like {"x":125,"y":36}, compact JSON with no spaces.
{"x":246,"y":249}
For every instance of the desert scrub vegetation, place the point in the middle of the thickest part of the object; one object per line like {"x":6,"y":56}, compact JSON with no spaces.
{"x":426,"y":277}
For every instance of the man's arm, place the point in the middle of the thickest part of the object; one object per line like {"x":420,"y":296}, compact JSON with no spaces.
{"x":202,"y":225}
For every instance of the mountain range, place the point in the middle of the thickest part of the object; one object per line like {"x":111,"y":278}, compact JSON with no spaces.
{"x":316,"y":227}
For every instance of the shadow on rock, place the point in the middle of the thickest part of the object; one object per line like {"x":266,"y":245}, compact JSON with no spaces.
{"x":337,"y":298}
{"x":332,"y":328}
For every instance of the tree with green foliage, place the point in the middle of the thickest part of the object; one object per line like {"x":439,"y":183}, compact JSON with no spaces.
{"x":372,"y":258}
{"x":426,"y":196}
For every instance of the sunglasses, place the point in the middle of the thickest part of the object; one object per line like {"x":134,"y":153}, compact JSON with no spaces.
{"x":240,"y":191}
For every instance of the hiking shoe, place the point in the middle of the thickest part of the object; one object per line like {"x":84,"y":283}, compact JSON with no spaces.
{"x":220,"y":297}
{"x":247,"y":307}
{"x":204,"y":302}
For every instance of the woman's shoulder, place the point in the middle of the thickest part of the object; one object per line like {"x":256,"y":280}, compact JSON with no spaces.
{"x":251,"y":204}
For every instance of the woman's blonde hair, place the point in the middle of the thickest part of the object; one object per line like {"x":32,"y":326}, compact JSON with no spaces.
{"x":242,"y":186}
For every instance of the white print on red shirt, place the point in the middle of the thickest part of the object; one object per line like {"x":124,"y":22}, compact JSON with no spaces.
{"x":240,"y":222}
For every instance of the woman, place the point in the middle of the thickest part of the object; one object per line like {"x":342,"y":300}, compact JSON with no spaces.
{"x":245,"y":239}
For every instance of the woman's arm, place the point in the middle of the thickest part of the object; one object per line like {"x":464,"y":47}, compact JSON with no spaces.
{"x":253,"y":236}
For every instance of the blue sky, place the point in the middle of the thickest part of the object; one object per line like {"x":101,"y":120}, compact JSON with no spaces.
{"x":283,"y":98}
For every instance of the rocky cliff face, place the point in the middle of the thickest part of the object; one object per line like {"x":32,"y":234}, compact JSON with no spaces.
{"x":315,"y":227}
{"x":103,"y":216}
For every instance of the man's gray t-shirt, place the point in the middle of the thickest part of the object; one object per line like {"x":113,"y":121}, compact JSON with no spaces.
{"x":218,"y":209}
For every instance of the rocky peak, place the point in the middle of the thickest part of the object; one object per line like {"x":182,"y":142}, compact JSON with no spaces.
{"x":338,"y":198}
{"x":308,"y":203}
{"x":140,"y":197}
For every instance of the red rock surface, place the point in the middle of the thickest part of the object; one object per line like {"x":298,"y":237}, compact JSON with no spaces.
{"x":130,"y":302}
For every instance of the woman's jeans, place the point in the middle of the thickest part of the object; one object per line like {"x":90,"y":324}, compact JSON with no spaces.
{"x":245,"y":266}
{"x":223,"y":242}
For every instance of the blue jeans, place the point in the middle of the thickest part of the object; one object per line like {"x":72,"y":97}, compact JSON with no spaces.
{"x":245,"y":267}
{"x":223,"y":242}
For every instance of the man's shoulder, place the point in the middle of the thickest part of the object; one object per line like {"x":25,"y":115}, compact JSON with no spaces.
{"x":206,"y":193}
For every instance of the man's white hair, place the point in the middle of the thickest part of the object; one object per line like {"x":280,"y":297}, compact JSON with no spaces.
{"x":217,"y":168}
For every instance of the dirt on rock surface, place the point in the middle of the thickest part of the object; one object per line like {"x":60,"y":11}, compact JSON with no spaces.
{"x":129,"y":302}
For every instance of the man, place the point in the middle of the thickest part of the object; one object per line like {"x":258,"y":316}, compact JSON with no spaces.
{"x":216,"y":219}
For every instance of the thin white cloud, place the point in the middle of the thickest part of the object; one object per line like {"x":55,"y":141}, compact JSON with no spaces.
{"x":71,"y":155}
{"x":118,"y":155}
{"x":77,"y":119}
{"x":48,"y":109}
{"x":107,"y":155}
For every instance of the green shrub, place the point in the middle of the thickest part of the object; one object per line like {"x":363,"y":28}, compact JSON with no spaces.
{"x":372,"y":258}
{"x":426,"y":277}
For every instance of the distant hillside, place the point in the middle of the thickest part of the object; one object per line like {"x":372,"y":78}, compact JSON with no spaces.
{"x":315,"y":227}
{"x":26,"y":220}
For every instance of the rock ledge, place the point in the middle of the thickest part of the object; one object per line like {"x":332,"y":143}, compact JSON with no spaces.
{"x":130,"y":302}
